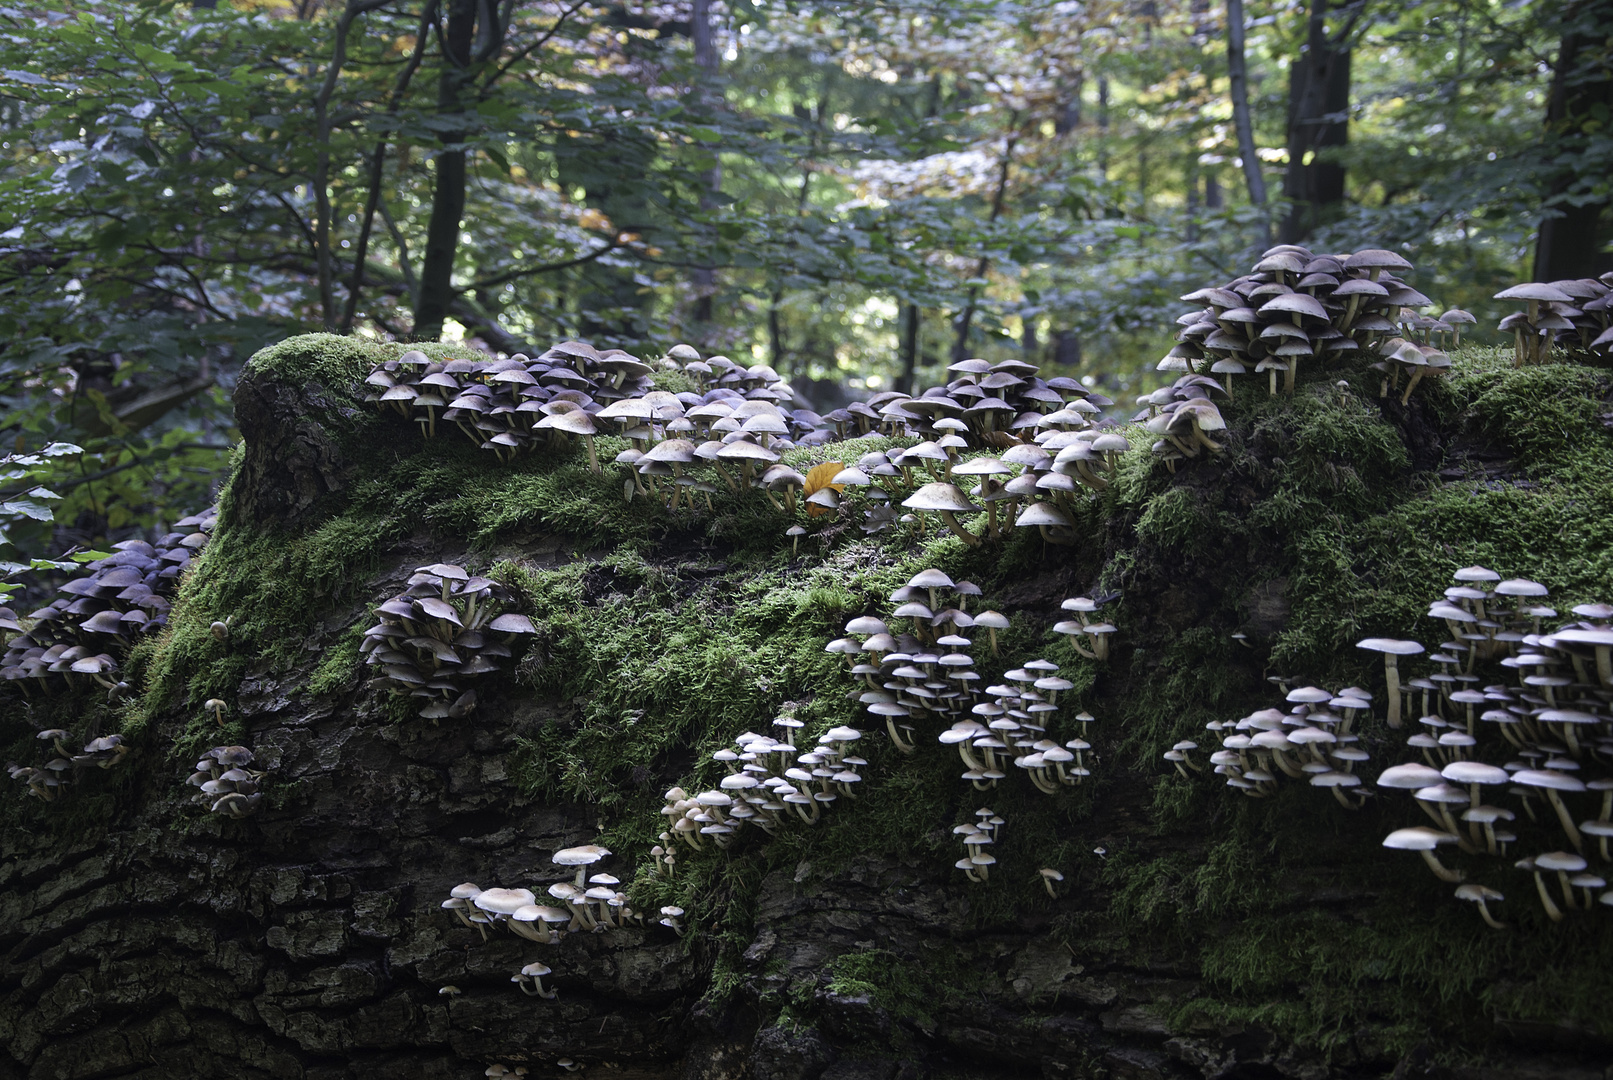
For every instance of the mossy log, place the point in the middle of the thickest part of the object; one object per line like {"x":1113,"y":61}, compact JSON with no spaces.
{"x":1196,"y":933}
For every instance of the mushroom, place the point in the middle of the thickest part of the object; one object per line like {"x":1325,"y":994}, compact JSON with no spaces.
{"x":1551,"y":782}
{"x":948,"y":501}
{"x":581,"y":857}
{"x":1423,"y":840}
{"x":1481,"y":895}
{"x":1563,"y":863}
{"x":993,"y":622}
{"x":530,"y":980}
{"x":1391,"y":650}
{"x":217,"y":706}
{"x":1050,"y":877}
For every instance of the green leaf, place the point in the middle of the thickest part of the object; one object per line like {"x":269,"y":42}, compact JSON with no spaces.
{"x":26,"y":508}
{"x":90,"y":556}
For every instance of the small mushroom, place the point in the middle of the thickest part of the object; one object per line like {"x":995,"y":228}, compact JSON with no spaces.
{"x":1050,"y":878}
{"x":217,"y":707}
{"x":1391,"y":650}
{"x":1482,"y":895}
{"x":531,"y":981}
{"x":1423,"y":840}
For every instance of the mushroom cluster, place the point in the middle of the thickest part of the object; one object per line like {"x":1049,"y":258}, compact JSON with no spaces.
{"x":1183,"y":415}
{"x":769,"y":782}
{"x":983,"y":405}
{"x":80,"y":636}
{"x":1086,"y":624}
{"x":500,"y":404}
{"x":1537,"y":700}
{"x":47,"y":781}
{"x":977,"y":836}
{"x":926,"y":668}
{"x":1010,"y":728}
{"x":1297,"y":309}
{"x":590,"y":902}
{"x":1576,"y":315}
{"x":673,"y":440}
{"x":1312,"y":741}
{"x":510,"y":405}
{"x":732,"y":432}
{"x":442,"y":630}
{"x":1030,"y":484}
{"x":227,"y":785}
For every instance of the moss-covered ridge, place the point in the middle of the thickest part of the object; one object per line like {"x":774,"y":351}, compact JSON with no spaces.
{"x":1329,"y":517}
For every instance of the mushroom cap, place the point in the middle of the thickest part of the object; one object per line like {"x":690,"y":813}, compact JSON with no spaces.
{"x":1474,"y":772}
{"x":1560,"y":860}
{"x":1390,"y":646}
{"x":1520,"y":587}
{"x":503,"y":901}
{"x":584,"y":855}
{"x":1375,"y":259}
{"x":1411,"y":776}
{"x":466,"y":891}
{"x":1548,"y":779}
{"x":940,"y":496}
{"x":1479,"y":893}
{"x":1043,"y":513}
{"x":1535,"y":290}
{"x":1418,"y":838}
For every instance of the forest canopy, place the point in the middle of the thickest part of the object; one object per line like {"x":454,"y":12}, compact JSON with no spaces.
{"x":854,"y":193}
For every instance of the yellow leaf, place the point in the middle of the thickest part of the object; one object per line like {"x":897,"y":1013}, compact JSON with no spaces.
{"x":818,"y":479}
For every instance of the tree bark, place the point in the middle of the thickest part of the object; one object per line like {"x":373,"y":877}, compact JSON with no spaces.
{"x":1572,"y":238}
{"x":1242,"y":121}
{"x":1318,"y":122}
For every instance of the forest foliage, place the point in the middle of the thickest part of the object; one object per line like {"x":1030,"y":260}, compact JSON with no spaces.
{"x":855,"y":193}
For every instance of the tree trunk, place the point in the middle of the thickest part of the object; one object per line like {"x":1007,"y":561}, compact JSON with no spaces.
{"x":704,"y":278}
{"x":1571,"y":240}
{"x":1066,"y":349}
{"x":1318,"y":122}
{"x":911,"y":318}
{"x":448,"y":194}
{"x":960,"y":347}
{"x":1242,"y":121}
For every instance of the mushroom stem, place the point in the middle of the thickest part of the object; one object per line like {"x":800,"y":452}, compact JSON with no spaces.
{"x":1392,"y":675}
{"x":1484,"y":911}
{"x":1338,"y":793}
{"x":901,"y":744}
{"x":1569,"y":827}
{"x":1443,"y":873}
{"x":1411,"y":384}
{"x":958,"y":530}
{"x":1552,"y":910}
